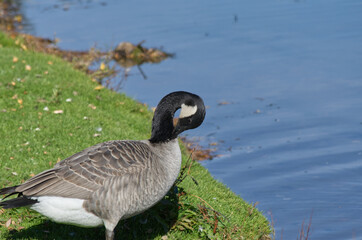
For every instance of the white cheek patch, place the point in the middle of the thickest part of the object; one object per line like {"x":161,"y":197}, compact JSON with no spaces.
{"x":187,"y":111}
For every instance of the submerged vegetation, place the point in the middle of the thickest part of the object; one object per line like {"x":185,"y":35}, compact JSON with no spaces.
{"x":128,"y":55}
{"x":99,"y":65}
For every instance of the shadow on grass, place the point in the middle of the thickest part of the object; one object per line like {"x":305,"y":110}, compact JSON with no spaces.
{"x":156,"y":221}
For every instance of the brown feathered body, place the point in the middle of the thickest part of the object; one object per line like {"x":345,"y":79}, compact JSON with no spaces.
{"x":116,"y":179}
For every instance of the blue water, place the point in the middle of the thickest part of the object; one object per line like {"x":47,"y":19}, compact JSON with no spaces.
{"x":290,"y":71}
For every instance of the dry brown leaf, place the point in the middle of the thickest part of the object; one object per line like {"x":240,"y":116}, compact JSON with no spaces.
{"x":23,"y":47}
{"x":99,"y":87}
{"x":8,"y":222}
{"x":58,"y":111}
{"x":92,"y":106}
{"x":102,"y":66}
{"x":50,"y":62}
{"x":15,"y":59}
{"x":15,"y":96}
{"x":31,"y":174}
{"x":20,"y":101}
{"x":18,"y":18}
{"x":27,"y":67}
{"x":223,"y":103}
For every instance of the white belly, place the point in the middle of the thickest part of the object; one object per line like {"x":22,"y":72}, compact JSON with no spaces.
{"x":66,"y":210}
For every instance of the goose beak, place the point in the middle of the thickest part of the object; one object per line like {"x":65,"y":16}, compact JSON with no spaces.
{"x":175,"y":122}
{"x":176,"y":126}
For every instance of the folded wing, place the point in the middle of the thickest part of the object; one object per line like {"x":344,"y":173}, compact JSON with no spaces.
{"x":83,"y":173}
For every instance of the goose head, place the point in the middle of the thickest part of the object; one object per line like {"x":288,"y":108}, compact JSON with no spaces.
{"x":191,"y":116}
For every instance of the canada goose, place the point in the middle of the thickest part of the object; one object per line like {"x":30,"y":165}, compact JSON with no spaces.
{"x":113,"y":180}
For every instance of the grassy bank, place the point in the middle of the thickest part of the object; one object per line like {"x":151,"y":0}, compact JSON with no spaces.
{"x":48,"y":111}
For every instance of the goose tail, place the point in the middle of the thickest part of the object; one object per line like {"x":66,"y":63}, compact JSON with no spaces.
{"x":20,"y":201}
{"x":8,"y":190}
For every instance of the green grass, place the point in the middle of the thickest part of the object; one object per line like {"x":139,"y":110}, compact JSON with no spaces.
{"x":6,"y":41}
{"x":33,"y":139}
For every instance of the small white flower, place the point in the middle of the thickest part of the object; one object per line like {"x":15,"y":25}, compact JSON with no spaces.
{"x":68,"y":100}
{"x":200,"y":229}
{"x":85,"y":118}
{"x":37,"y":129}
{"x":99,"y":129}
{"x":46,"y":109}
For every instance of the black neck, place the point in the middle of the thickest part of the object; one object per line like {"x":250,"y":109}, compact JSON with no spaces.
{"x":162,"y":124}
{"x":163,"y":129}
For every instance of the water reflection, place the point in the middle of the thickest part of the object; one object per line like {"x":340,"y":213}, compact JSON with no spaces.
{"x":12,"y":17}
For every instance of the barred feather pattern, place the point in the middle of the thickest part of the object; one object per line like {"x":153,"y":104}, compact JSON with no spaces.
{"x":117,"y":179}
{"x":137,"y":190}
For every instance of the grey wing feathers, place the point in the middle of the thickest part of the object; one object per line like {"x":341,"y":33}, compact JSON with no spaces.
{"x":84,"y":172}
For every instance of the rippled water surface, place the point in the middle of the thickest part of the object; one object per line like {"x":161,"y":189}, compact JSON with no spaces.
{"x":283,"y":82}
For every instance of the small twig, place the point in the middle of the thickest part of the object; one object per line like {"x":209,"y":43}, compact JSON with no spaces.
{"x":141,"y":71}
{"x":190,"y":157}
{"x":309,"y":225}
{"x":203,"y":201}
{"x":204,"y":213}
{"x":218,"y":213}
{"x":216,"y":221}
{"x":140,"y":43}
{"x":182,"y":172}
{"x":304,"y":231}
